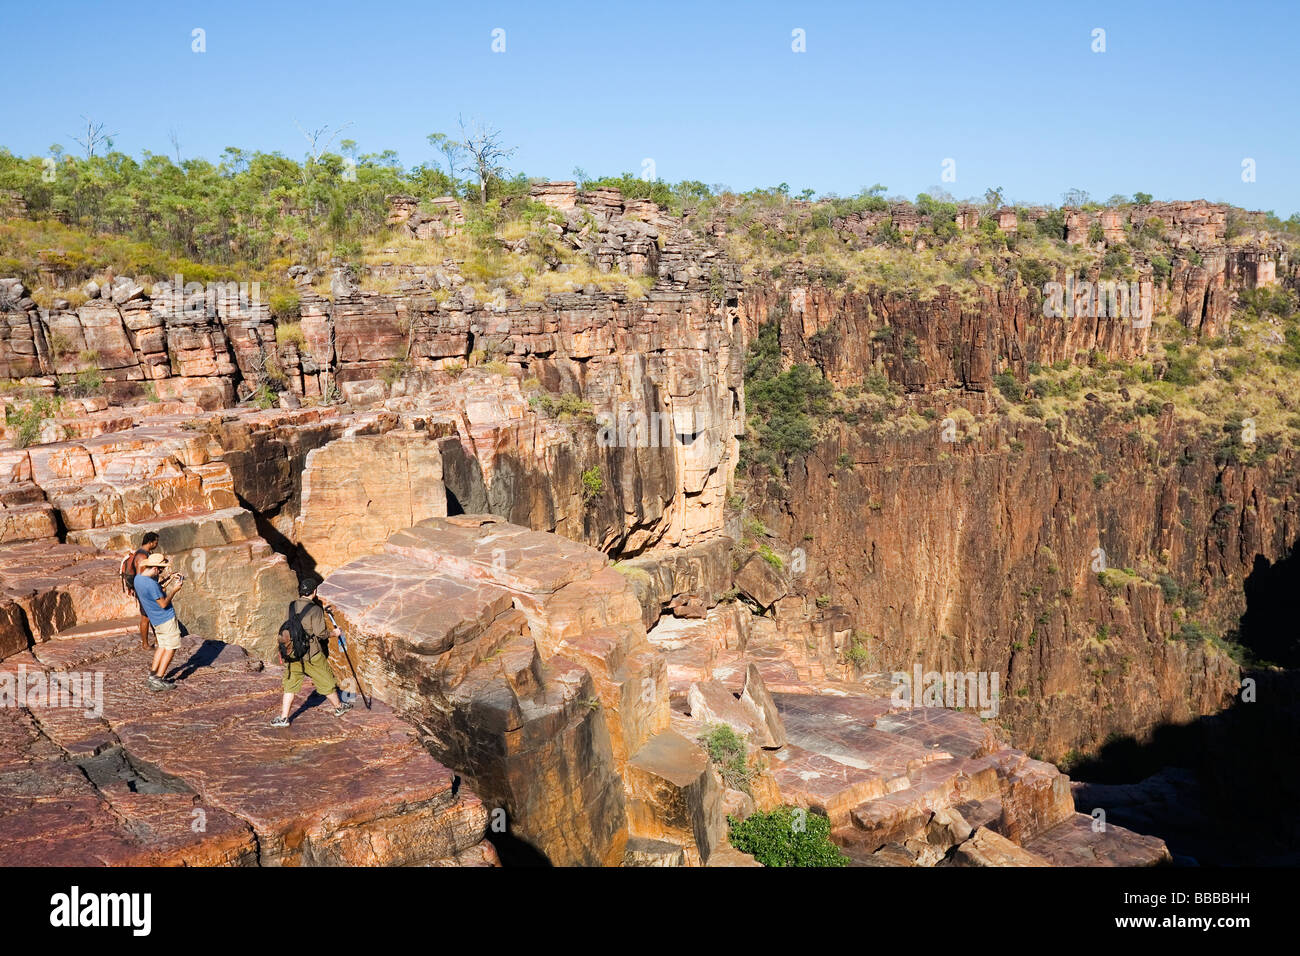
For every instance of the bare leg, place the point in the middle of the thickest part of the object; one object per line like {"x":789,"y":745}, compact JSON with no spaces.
{"x":285,"y":704}
{"x":162,"y":659}
{"x":144,"y":632}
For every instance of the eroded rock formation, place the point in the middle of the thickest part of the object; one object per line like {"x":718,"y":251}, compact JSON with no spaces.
{"x":567,"y":691}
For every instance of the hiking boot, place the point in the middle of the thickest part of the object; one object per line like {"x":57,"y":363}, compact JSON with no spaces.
{"x":159,"y":683}
{"x":280,"y":722}
{"x":342,"y":708}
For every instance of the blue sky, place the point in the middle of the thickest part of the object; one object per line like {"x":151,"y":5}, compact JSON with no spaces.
{"x":710,"y":91}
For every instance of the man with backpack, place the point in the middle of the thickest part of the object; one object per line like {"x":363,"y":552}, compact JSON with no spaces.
{"x":133,"y":564}
{"x":301,"y":640}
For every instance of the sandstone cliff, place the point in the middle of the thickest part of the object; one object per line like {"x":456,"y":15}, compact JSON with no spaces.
{"x":462,"y":469}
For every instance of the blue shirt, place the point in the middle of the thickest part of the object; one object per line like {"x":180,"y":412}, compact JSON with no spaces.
{"x":150,"y":592}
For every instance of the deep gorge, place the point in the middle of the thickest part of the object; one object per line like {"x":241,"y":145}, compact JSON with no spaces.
{"x":1117,"y":560}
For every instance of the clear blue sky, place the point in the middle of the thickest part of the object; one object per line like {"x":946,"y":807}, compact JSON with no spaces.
{"x":711,"y":91}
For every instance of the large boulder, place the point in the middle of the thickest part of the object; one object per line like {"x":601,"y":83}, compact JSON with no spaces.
{"x":676,"y":796}
{"x":761,"y":582}
{"x":432,"y":628}
{"x":349,"y":506}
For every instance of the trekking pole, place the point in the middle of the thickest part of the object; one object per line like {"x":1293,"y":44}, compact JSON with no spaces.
{"x":343,"y":646}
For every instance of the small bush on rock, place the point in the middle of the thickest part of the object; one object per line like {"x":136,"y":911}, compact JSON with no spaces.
{"x":787,"y":836}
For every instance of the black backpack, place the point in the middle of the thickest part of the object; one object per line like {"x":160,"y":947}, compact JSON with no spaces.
{"x":295,"y":644}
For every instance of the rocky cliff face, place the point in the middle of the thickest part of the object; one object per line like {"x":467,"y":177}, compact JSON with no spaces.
{"x":977,"y":556}
{"x":943,"y":342}
{"x":194,"y":344}
{"x":666,"y":360}
{"x":976,"y":542}
{"x":460,"y":471}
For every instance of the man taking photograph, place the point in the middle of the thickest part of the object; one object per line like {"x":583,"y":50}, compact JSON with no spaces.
{"x":157,"y":606}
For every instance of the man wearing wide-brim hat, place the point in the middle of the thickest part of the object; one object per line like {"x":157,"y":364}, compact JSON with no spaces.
{"x":157,"y":606}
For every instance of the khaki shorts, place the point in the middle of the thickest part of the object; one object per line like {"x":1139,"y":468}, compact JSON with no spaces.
{"x":169,"y":634}
{"x":317,"y":668}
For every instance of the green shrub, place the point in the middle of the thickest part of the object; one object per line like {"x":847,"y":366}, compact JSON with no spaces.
{"x":265,"y":397}
{"x":290,"y":333}
{"x":89,"y":382}
{"x":786,"y":404}
{"x":1181,"y":367}
{"x":393,"y":371}
{"x":282,"y":306}
{"x":1116,"y":263}
{"x":856,"y":653}
{"x":786,"y":836}
{"x":562,"y":407}
{"x":728,"y":753}
{"x":1192,"y":632}
{"x":1052,"y":225}
{"x":1035,"y":273}
{"x":27,"y":421}
{"x":1009,"y":386}
{"x":593,"y":484}
{"x":878,"y":383}
{"x":1114,"y":580}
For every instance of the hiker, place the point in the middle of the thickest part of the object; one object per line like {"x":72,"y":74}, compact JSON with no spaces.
{"x":157,"y":606}
{"x":303,"y":640}
{"x":132,"y":564}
